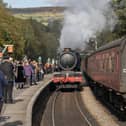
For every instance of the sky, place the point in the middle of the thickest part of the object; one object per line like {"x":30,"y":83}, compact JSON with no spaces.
{"x":29,"y":3}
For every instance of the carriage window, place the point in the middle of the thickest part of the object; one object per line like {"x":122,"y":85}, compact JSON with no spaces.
{"x":105,"y":65}
{"x":111,"y":64}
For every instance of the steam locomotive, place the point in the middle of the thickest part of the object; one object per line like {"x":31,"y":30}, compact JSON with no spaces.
{"x":69,"y":62}
{"x":105,"y":71}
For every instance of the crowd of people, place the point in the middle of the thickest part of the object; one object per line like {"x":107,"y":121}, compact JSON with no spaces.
{"x":18,"y":74}
{"x":50,"y":68}
{"x":28,"y":72}
{"x":21,"y":74}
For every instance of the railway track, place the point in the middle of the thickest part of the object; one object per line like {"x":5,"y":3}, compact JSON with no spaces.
{"x":64,"y":109}
{"x":80,"y":110}
{"x":53,"y":108}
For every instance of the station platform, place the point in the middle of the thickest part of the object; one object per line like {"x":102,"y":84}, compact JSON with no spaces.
{"x":15,"y":114}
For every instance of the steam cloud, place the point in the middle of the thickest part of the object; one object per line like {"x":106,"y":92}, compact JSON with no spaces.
{"x":83,"y":19}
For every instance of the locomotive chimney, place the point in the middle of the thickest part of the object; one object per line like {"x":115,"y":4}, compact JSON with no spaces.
{"x":67,"y":49}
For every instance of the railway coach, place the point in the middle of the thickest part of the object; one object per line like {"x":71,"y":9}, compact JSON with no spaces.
{"x":106,"y":70}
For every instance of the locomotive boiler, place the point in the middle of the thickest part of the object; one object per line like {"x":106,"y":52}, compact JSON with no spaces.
{"x":69,"y":60}
{"x":105,"y":71}
{"x":69,"y":76}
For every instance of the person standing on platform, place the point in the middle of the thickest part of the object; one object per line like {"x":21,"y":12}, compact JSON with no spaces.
{"x":33,"y":65}
{"x":20,"y":75}
{"x":3,"y":83}
{"x":8,"y":69}
{"x":41,"y":71}
{"x":28,"y":73}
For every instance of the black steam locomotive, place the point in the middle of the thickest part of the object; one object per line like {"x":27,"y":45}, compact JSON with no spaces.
{"x":69,"y":62}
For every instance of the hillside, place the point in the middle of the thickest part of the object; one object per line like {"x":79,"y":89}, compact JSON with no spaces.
{"x":42,"y":14}
{"x":36,"y":10}
{"x":28,"y":36}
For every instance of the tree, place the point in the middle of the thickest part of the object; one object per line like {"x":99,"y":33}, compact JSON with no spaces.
{"x":30,"y":37}
{"x":2,"y":3}
{"x":120,"y":10}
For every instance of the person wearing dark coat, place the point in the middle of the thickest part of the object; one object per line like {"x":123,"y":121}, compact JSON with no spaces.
{"x":20,"y":76}
{"x":8,"y":69}
{"x":3,"y":82}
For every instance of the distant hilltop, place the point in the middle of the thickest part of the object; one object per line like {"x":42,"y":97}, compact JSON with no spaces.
{"x":37,"y":9}
{"x":42,"y":14}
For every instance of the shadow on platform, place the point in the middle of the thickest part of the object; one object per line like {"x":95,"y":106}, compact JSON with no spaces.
{"x":15,"y":123}
{"x":4,"y":118}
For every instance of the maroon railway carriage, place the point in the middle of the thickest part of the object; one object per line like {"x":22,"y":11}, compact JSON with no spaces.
{"x":107,"y":68}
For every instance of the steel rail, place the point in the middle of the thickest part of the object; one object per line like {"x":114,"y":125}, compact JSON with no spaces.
{"x":81,"y":112}
{"x":53,"y":107}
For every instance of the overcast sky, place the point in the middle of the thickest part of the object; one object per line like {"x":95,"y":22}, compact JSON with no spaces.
{"x":29,"y":3}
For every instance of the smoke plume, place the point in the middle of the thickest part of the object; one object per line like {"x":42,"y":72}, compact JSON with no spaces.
{"x":83,"y":19}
